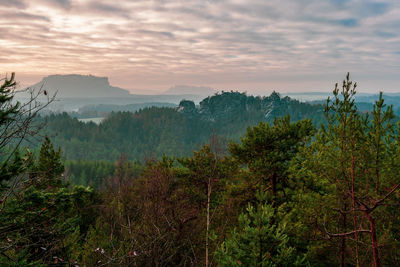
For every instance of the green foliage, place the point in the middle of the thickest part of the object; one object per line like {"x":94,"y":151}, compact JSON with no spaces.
{"x":151,"y":221}
{"x":7,"y":109}
{"x":206,"y":169}
{"x":258,"y":240}
{"x":49,"y":169}
{"x":99,"y":174}
{"x":324,"y":200}
{"x":43,"y":221}
{"x":152,"y":132}
{"x":16,"y":125}
{"x":267,"y":150}
{"x":343,"y":173}
{"x":13,"y":168}
{"x":142,"y":135}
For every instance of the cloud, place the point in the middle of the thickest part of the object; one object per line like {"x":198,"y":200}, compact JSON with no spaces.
{"x":19,"y":16}
{"x":97,"y":7}
{"x":12,"y":3}
{"x":229,"y":44}
{"x":65,"y":4}
{"x":156,"y":33}
{"x":374,"y":8}
{"x":351,"y":22}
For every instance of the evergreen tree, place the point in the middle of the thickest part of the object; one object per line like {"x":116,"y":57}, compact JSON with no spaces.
{"x":42,"y":221}
{"x":8,"y":109}
{"x":258,"y":240}
{"x":207,"y":177}
{"x":351,"y":172}
{"x":267,"y":150}
{"x":49,"y":168}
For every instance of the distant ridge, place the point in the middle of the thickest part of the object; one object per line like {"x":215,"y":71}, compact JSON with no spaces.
{"x":80,"y":86}
{"x":190,"y":90}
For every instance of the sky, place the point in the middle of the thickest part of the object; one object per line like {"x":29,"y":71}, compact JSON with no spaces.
{"x":247,"y":45}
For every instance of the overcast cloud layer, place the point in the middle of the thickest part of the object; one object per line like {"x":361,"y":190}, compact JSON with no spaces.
{"x":257,"y":46}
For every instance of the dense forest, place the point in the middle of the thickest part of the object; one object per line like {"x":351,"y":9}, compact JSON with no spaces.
{"x":244,"y":181}
{"x":154,"y":131}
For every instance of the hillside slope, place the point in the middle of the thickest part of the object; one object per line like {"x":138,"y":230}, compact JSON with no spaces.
{"x":152,"y":132}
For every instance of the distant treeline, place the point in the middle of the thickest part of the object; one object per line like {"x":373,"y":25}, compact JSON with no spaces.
{"x":102,"y":110}
{"x":154,"y":131}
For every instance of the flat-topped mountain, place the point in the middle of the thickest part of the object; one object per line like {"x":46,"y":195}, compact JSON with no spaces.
{"x":80,"y":86}
{"x":190,"y":90}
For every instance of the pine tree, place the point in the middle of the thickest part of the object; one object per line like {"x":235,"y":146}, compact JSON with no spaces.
{"x":258,"y":240}
{"x":49,"y":169}
{"x":352,"y":169}
{"x":207,"y":177}
{"x":267,"y":151}
{"x":16,"y":124}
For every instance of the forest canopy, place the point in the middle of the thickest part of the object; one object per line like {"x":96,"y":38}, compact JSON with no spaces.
{"x":281,"y":183}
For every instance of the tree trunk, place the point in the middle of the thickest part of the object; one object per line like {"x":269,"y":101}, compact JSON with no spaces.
{"x":208,"y":218}
{"x":354,"y":209}
{"x":273,"y":184}
{"x":374,"y":241}
{"x":273,"y":190}
{"x":343,"y":238}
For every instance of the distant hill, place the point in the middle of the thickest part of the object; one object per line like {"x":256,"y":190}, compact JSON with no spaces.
{"x":80,"y":86}
{"x":190,"y":90}
{"x":174,"y":131}
{"x":75,"y":91}
{"x":232,"y":108}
